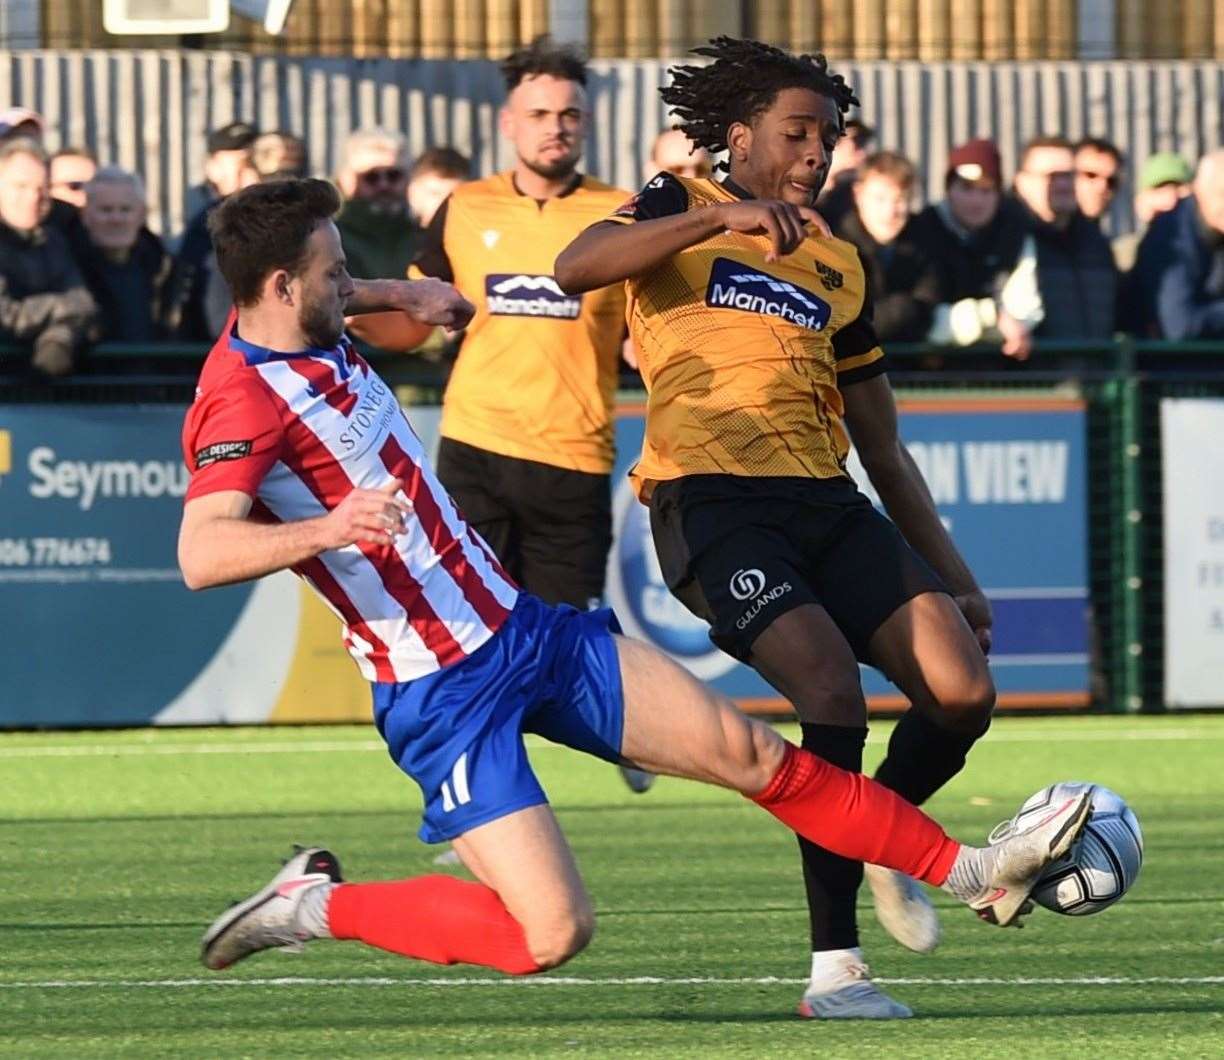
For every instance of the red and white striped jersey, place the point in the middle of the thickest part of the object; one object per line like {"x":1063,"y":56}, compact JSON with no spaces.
{"x":297,"y":432}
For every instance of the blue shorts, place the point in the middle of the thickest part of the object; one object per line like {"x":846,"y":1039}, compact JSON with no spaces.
{"x":459,"y":732}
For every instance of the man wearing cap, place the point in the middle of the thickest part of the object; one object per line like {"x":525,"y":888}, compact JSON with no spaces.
{"x":1164,"y":180}
{"x":197,"y":300}
{"x":1179,"y":277}
{"x":1075,"y":269}
{"x":983,"y":254}
{"x":379,"y":236}
{"x":22,"y":123}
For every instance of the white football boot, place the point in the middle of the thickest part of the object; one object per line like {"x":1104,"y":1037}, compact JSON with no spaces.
{"x":903,"y":908}
{"x":268,"y":919}
{"x":1013,"y":866}
{"x":846,"y":992}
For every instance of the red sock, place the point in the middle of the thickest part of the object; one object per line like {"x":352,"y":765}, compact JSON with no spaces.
{"x":432,"y":918}
{"x":853,"y":816}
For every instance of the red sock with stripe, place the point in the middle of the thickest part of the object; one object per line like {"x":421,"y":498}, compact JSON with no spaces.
{"x":432,"y":918}
{"x":853,"y":816}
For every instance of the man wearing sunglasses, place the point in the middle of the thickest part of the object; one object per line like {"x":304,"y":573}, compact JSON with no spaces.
{"x":1098,"y":175}
{"x":380,"y":238}
{"x":1075,"y":269}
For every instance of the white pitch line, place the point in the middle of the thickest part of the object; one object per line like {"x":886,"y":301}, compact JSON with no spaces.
{"x":642,"y":980}
{"x":1052,"y":736}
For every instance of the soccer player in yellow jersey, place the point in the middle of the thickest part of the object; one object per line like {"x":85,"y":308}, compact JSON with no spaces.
{"x":757,"y":349}
{"x":527,"y":434}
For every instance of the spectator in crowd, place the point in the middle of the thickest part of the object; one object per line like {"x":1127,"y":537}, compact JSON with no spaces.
{"x":71,"y":169}
{"x":124,"y":264}
{"x":674,"y":153}
{"x":379,"y":237}
{"x":433,"y":176}
{"x":278,"y":156}
{"x":1164,"y":180}
{"x":985,"y":259}
{"x":197,"y":300}
{"x":43,"y":300}
{"x":1098,"y":175}
{"x":904,"y":284}
{"x":1075,"y":268}
{"x":837,"y":199}
{"x":228,"y":166}
{"x":1181,"y":261}
{"x":22,"y":123}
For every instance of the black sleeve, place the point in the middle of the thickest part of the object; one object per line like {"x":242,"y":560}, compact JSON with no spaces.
{"x":663,"y":196}
{"x":432,"y":259}
{"x":856,"y":341}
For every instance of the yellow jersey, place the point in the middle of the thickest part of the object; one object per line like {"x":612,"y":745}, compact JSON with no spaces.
{"x":743,"y":360}
{"x":537,"y":370}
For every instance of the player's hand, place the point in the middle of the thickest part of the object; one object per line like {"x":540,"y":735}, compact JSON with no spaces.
{"x":437,"y":302}
{"x":976,"y":609}
{"x":377,"y":516}
{"x":784,"y":223}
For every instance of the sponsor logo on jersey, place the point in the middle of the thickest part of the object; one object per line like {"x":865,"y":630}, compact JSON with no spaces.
{"x":219,"y":451}
{"x":737,"y":286}
{"x":370,"y":418}
{"x":524,"y":295}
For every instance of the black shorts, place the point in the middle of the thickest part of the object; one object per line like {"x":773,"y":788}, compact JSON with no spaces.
{"x":739,"y":552}
{"x":550,"y":527}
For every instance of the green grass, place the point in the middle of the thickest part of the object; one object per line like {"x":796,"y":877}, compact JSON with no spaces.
{"x":114,"y":856}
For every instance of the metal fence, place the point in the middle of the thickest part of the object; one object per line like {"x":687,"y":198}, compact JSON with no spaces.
{"x":150,"y":111}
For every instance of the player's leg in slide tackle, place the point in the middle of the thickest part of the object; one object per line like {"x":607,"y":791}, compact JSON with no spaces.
{"x":530,"y":911}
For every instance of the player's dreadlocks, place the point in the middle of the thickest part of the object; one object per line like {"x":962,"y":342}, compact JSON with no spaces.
{"x":744,"y":80}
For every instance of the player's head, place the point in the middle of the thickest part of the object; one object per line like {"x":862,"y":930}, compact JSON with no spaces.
{"x":778,"y":115}
{"x":545,"y":114}
{"x":280,"y":253}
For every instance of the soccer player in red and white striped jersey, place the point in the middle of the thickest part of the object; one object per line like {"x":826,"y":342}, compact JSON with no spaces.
{"x":301,"y":459}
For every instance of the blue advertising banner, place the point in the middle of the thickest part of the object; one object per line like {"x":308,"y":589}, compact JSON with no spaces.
{"x":1008,"y":478}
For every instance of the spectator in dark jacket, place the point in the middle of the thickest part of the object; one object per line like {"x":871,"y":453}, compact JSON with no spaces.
{"x":379,"y":236}
{"x":1075,"y":266}
{"x":124,"y":264}
{"x":1180,"y":271}
{"x":43,"y":300}
{"x":196,"y":288}
{"x":984,"y":256}
{"x":903,"y":283}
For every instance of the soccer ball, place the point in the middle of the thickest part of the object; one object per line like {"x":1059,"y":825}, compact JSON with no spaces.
{"x":1104,"y":862}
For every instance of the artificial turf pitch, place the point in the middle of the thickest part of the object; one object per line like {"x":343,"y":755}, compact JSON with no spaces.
{"x":118,"y":848}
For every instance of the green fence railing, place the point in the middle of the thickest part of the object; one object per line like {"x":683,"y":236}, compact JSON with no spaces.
{"x":1121,"y":384}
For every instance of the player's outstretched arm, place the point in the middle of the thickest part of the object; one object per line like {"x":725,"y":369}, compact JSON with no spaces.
{"x":610,"y":252}
{"x":871,"y":416}
{"x":399,"y":315}
{"x":219,"y":545}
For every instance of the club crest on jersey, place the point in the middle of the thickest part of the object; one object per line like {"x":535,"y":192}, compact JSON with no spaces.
{"x":830,"y":278}
{"x":737,"y":286}
{"x":523,"y":295}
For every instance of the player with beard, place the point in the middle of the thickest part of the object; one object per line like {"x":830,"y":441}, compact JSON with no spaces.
{"x":302,"y":459}
{"x":527,"y":431}
{"x":757,"y":348}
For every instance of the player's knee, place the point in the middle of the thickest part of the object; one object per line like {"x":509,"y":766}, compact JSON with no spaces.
{"x":833,"y":706}
{"x":968,"y":705}
{"x":562,"y":938}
